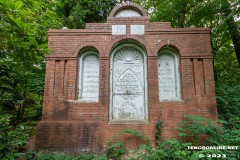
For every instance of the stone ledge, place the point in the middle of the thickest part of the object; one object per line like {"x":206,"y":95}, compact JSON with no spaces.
{"x":128,"y":122}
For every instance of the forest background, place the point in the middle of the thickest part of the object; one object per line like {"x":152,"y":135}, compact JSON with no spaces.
{"x":23,"y":46}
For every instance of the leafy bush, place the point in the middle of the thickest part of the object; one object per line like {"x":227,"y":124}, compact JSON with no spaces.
{"x":198,"y":130}
{"x":168,"y":150}
{"x":158,"y":130}
{"x":115,"y":150}
{"x":195,"y":131}
{"x":228,"y":102}
{"x":60,"y":156}
{"x":12,"y":138}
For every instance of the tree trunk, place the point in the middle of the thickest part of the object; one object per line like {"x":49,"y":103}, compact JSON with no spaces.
{"x":20,"y":114}
{"x":182,"y":13}
{"x":233,"y":30}
{"x":181,"y":20}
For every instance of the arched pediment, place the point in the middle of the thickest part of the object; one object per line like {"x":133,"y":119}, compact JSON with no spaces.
{"x":128,"y":9}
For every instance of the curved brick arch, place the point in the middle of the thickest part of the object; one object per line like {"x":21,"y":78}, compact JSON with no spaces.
{"x":128,"y":5}
{"x":87,"y":44}
{"x":168,"y":43}
{"x":139,"y":40}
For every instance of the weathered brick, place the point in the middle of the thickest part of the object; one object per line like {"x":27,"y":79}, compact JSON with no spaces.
{"x":74,"y":126}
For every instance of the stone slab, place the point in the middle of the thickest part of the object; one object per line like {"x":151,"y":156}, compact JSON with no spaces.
{"x":118,"y":29}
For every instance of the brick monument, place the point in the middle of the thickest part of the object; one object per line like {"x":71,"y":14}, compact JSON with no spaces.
{"x":123,"y":74}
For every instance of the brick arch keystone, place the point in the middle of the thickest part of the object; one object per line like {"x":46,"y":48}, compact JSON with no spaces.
{"x":89,"y":44}
{"x":141,"y":41}
{"x":128,"y":5}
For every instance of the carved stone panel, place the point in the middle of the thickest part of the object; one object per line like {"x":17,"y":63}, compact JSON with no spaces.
{"x":118,"y":29}
{"x":128,"y":13}
{"x":168,"y":78}
{"x":137,"y":29}
{"x":89,"y":90}
{"x":128,"y":96}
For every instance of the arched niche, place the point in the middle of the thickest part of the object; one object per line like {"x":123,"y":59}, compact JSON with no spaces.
{"x":88,"y":76}
{"x":128,"y":85}
{"x":168,"y":75}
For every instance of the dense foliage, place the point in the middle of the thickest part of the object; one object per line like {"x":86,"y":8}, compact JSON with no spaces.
{"x":23,"y":46}
{"x":193,"y":131}
{"x":60,"y":156}
{"x":13,"y":137}
{"x":198,"y":131}
{"x":222,"y":16}
{"x":23,"y":36}
{"x":75,"y":13}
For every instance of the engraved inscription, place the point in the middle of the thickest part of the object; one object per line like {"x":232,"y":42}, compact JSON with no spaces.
{"x":128,"y":13}
{"x":118,"y":29}
{"x":90,"y":78}
{"x":137,"y":29}
{"x":128,"y":85}
{"x":167,"y":78}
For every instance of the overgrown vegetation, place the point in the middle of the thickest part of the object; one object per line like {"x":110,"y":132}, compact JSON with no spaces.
{"x":60,"y":156}
{"x":23,"y":46}
{"x":193,"y":131}
{"x":158,"y":130}
{"x":116,"y":149}
{"x":13,"y":137}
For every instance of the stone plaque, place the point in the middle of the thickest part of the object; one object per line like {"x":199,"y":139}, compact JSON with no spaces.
{"x":137,"y":29}
{"x":128,"y":85}
{"x":128,"y":13}
{"x":90,"y":78}
{"x":118,"y":29}
{"x":167,"y":78}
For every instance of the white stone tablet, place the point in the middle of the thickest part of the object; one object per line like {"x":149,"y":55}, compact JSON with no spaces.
{"x":89,"y":78}
{"x":168,"y":77}
{"x":128,"y":82}
{"x":118,"y":29}
{"x":137,"y":29}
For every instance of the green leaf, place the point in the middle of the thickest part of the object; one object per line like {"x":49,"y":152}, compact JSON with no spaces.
{"x":16,"y":22}
{"x":18,"y":4}
{"x":182,"y":134}
{"x":19,"y":154}
{"x":33,"y":42}
{"x":43,"y":46}
{"x":222,"y":121}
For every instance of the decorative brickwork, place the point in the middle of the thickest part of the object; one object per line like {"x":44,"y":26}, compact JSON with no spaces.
{"x":75,"y":126}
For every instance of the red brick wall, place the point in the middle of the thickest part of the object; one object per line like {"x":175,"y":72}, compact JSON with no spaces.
{"x":76,"y":126}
